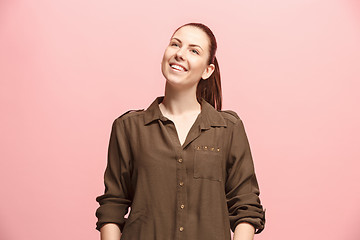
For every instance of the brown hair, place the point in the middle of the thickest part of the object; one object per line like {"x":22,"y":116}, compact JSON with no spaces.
{"x":209,"y":89}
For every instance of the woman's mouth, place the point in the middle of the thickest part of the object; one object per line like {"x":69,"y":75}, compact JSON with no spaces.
{"x":177,"y":68}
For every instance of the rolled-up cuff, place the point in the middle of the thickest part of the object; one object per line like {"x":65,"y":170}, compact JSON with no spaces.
{"x":258,"y":222}
{"x":110,"y":214}
{"x":99,"y":225}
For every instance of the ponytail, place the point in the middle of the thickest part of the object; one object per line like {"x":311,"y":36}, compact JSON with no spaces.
{"x":210,"y":89}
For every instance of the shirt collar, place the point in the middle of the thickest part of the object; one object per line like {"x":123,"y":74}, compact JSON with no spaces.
{"x":209,"y":115}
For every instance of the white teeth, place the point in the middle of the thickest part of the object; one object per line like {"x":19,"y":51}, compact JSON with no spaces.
{"x":177,"y":67}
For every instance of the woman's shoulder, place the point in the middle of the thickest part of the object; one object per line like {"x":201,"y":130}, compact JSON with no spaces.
{"x":230,"y":115}
{"x":130,"y":113}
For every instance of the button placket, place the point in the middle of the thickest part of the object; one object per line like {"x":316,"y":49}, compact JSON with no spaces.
{"x":181,"y":194}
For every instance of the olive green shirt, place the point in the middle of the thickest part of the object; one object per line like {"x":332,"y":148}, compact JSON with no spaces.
{"x":195,"y":191}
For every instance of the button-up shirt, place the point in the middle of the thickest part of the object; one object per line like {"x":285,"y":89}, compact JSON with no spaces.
{"x":195,"y":191}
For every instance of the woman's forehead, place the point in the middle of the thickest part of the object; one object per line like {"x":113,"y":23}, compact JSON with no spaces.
{"x":192,"y":35}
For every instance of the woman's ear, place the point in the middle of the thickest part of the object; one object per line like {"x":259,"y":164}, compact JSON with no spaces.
{"x":208,"y":71}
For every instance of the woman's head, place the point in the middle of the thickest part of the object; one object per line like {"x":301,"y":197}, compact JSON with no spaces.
{"x":192,"y":47}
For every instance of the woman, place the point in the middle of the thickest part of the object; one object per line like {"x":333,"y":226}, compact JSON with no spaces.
{"x":182,"y":165}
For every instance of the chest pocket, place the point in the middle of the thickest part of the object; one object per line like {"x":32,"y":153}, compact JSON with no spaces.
{"x":207,"y":163}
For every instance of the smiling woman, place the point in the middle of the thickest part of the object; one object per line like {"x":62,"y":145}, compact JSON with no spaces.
{"x":191,"y":51}
{"x":183,"y":165}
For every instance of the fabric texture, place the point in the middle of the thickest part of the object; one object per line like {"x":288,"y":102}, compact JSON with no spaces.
{"x":199,"y":190}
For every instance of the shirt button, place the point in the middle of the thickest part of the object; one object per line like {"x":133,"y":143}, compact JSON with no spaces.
{"x":182,"y":206}
{"x":181,"y":229}
{"x":180,"y":160}
{"x":181,"y":183}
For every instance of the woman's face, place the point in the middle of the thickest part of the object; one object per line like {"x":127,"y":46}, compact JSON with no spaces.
{"x":185,"y":59}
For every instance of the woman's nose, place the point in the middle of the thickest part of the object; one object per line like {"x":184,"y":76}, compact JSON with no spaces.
{"x":180,"y":53}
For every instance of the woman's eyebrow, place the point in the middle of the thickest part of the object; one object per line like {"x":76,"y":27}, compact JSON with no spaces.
{"x":192,"y":45}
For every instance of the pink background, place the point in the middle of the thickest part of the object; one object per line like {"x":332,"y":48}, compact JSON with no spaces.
{"x":291,"y":70}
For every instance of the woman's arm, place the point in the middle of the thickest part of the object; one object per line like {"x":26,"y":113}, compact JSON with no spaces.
{"x":110,"y":231}
{"x":242,"y":190}
{"x":116,"y":200}
{"x":244,"y":231}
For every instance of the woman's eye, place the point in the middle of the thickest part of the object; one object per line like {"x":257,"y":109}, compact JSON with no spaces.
{"x":196,"y":52}
{"x":173,"y":44}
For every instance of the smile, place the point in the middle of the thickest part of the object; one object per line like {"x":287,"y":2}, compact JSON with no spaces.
{"x":177,"y":68}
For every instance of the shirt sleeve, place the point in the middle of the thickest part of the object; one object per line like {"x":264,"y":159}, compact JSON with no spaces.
{"x":242,"y":190}
{"x":115,"y":201}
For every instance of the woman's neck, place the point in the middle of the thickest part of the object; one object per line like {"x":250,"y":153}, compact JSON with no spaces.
{"x":180,"y":103}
